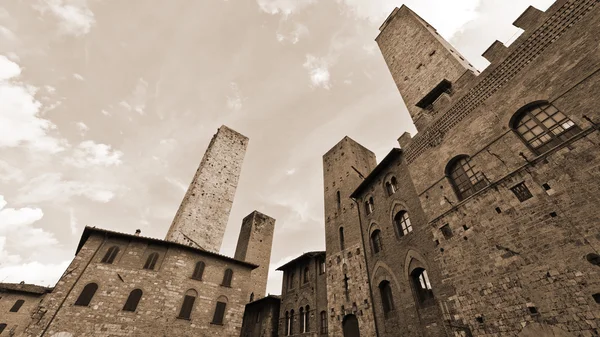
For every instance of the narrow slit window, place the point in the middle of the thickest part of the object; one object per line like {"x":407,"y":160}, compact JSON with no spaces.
{"x":219,"y":313}
{"x":227,"y":276}
{"x":342,"y":243}
{"x":198,"y":271}
{"x":18,"y":304}
{"x":110,"y":255}
{"x":151,"y":261}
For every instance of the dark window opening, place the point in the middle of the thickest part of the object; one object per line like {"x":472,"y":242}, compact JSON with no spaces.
{"x":301,"y":311}
{"x":17,"y":306}
{"x":307,"y":319}
{"x":498,"y":210}
{"x":479,"y":319}
{"x":87,"y":294}
{"x":322,"y":267}
{"x":376,"y":241}
{"x":133,"y":300}
{"x":521,"y":192}
{"x":593,"y":259}
{"x":403,"y":224}
{"x":2,"y":327}
{"x":533,"y":310}
{"x":291,"y":331}
{"x":543,"y":127}
{"x":306,"y":274}
{"x":251,"y":297}
{"x":188,"y":304}
{"x":444,"y":86}
{"x":465,"y":179}
{"x":422,"y":286}
{"x":291,"y":280}
{"x":546,"y":187}
{"x":596,"y":297}
{"x":387,"y":300}
{"x":342,"y":243}
{"x":110,"y":255}
{"x":339,"y":200}
{"x":198,"y":271}
{"x":151,"y":261}
{"x":447,"y":231}
{"x":369,"y":205}
{"x":323,"y":322}
{"x":287,"y":324}
{"x":553,"y":214}
{"x":219,"y":313}
{"x":227,"y":276}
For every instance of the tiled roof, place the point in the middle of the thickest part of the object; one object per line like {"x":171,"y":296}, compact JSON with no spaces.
{"x":373,"y":175}
{"x":302,"y":257}
{"x":91,"y":230}
{"x":24,"y":288}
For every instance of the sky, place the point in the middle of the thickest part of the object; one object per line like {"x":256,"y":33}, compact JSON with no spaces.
{"x":106,"y":108}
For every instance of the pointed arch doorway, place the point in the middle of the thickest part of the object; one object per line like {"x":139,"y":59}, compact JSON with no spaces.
{"x":350,"y":326}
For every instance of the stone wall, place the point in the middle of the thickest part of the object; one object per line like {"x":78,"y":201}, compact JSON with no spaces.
{"x":16,"y":322}
{"x":261,"y":318}
{"x":202,"y":217}
{"x":163,"y":291}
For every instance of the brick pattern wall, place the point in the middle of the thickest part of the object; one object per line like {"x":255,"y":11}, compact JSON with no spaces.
{"x":340,"y":166}
{"x":163,"y":292}
{"x":254,"y":246}
{"x":204,"y":211}
{"x":16,"y":322}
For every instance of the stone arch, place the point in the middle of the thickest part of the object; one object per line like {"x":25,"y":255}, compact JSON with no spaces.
{"x":376,"y":277}
{"x":541,"y":329}
{"x":373,"y":226}
{"x":223,"y":299}
{"x":350,"y":326}
{"x":524,"y":102}
{"x":411,"y":257}
{"x":397,"y":206}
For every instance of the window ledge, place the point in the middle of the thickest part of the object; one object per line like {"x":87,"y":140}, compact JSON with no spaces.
{"x":183,"y":318}
{"x":225,"y":286}
{"x":213,"y":323}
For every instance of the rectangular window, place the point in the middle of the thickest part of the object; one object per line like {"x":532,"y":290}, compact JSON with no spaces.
{"x":521,"y":192}
{"x":186,"y":308}
{"x":447,"y":231}
{"x":322,"y":267}
{"x":219,"y":313}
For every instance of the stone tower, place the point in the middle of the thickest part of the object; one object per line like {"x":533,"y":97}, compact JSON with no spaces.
{"x":348,"y":296}
{"x":416,"y":53}
{"x":202,"y":217}
{"x":254,"y":246}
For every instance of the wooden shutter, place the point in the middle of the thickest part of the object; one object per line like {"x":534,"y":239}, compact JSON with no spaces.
{"x":87,"y":294}
{"x":219,"y":313}
{"x":133,"y":300}
{"x":187,"y":306}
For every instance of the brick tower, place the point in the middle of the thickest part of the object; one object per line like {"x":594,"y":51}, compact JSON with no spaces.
{"x":416,"y":53}
{"x":203,"y":214}
{"x":348,"y":296}
{"x":254,"y":246}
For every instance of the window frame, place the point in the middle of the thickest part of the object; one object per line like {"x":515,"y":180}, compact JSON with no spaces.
{"x":376,"y":242}
{"x":422,"y":287}
{"x":461,"y":172}
{"x":227,"y":278}
{"x":150,"y":263}
{"x":387,"y":297}
{"x":402,"y":223}
{"x":555,"y":139}
{"x":198,"y":272}
{"x":84,"y":301}
{"x":187,"y":305}
{"x":133,"y":300}
{"x":324,"y":324}
{"x":110,"y":255}
{"x":219,"y":314}
{"x":17,"y":306}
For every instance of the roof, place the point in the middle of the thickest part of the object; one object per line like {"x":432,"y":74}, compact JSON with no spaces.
{"x":24,"y":288}
{"x":268,"y":298}
{"x":93,"y":230}
{"x":308,"y":255}
{"x":395,"y":153}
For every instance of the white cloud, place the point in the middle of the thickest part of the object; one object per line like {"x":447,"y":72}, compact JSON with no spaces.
{"x":318,"y":70}
{"x":137,"y":99}
{"x":234,"y":102}
{"x":19,"y":110}
{"x":299,"y":31}
{"x":52,"y":187}
{"x":75,"y":18}
{"x":33,"y":272}
{"x":285,"y":7}
{"x":83,"y":128}
{"x":88,"y":153}
{"x":78,"y":77}
{"x":11,"y":217}
{"x":10,"y":173}
{"x":290,"y":172}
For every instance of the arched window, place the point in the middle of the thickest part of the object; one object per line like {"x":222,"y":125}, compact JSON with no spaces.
{"x":198,"y":271}
{"x":227,"y":276}
{"x":220,"y":311}
{"x":323,"y":322}
{"x":306,"y":274}
{"x":596,"y":298}
{"x":291,"y":322}
{"x":542,"y":126}
{"x":133,"y":300}
{"x":87,"y":294}
{"x":465,"y":179}
{"x":188,"y":304}
{"x":391,"y":186}
{"x":17,"y":306}
{"x":420,"y":281}
{"x":387,"y":300}
{"x":376,"y":241}
{"x":251,"y":297}
{"x":369,"y":205}
{"x":301,"y":320}
{"x":593,"y":259}
{"x":151,"y":261}
{"x":342,"y":243}
{"x":110,"y":255}
{"x":394,"y":182}
{"x":287,"y":324}
{"x":2,"y":327}
{"x":307,"y":319}
{"x":402,"y":221}
{"x":291,"y":280}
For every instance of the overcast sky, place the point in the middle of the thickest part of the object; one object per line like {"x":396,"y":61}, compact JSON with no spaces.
{"x":107,"y":106}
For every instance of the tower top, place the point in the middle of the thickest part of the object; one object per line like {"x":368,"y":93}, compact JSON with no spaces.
{"x":203,"y":214}
{"x":423,"y":64}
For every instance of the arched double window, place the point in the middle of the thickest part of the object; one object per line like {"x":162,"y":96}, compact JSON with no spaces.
{"x":542,"y":126}
{"x":376,"y":241}
{"x":403,"y":224}
{"x":110,"y":255}
{"x":465,"y":179}
{"x":151,"y":261}
{"x":301,"y":311}
{"x":133,"y":300}
{"x":198,"y":271}
{"x":291,"y":329}
{"x":227,"y":276}
{"x":87,"y":294}
{"x":391,"y":186}
{"x":188,"y":304}
{"x":387,"y":300}
{"x":422,"y":286}
{"x":18,"y":304}
{"x":287,"y":324}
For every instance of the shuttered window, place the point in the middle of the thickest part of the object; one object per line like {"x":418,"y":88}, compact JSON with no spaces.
{"x":110,"y":255}
{"x":186,"y":307}
{"x":151,"y":261}
{"x":219,"y":313}
{"x":133,"y":300}
{"x":87,"y":294}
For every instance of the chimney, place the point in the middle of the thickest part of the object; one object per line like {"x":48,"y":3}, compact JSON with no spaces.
{"x":138,"y":232}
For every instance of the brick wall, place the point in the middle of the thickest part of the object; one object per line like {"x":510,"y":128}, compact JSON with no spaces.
{"x":16,"y":322}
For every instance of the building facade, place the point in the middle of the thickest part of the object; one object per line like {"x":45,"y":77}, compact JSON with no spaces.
{"x":261,"y":317}
{"x":18,"y":304}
